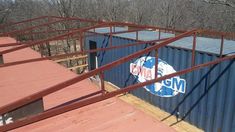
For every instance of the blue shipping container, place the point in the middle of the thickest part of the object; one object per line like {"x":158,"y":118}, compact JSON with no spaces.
{"x":209,"y":100}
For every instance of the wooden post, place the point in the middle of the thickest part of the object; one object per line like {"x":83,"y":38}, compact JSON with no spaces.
{"x":102,"y":82}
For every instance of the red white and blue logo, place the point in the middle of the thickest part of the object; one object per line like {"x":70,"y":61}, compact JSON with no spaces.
{"x":144,"y":69}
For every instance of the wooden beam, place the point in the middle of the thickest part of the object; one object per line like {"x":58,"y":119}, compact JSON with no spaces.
{"x":72,"y":58}
{"x":75,"y":67}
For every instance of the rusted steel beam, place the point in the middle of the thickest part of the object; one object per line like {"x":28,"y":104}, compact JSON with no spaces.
{"x":21,"y":22}
{"x":69,"y":82}
{"x":29,"y":28}
{"x":92,"y":100}
{"x":193,"y":49}
{"x":77,"y":53}
{"x":40,"y":42}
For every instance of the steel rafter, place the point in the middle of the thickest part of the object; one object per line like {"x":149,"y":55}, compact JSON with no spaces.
{"x":100,"y":71}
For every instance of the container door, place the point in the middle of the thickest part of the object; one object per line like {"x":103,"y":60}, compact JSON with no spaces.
{"x":93,"y":56}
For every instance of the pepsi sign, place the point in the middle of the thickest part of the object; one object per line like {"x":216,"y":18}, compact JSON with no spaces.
{"x":143,"y":69}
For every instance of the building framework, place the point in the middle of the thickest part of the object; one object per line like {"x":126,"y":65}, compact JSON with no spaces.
{"x":45,"y":25}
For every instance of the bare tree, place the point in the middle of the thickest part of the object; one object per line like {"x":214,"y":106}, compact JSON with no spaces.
{"x":184,"y":14}
{"x":230,"y":3}
{"x":6,"y":8}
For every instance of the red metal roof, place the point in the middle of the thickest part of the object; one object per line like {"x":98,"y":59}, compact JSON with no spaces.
{"x":22,"y":80}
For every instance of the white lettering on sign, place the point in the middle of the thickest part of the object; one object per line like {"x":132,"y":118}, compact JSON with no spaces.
{"x":144,"y":69}
{"x":6,"y":119}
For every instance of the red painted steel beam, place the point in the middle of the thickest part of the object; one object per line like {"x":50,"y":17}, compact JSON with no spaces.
{"x":98,"y":21}
{"x":216,"y":33}
{"x":50,"y":31}
{"x":92,"y":100}
{"x":194,"y":49}
{"x":21,"y":22}
{"x":203,"y":31}
{"x":59,"y":86}
{"x":29,"y":28}
{"x":11,"y":44}
{"x":208,"y":32}
{"x":40,"y":42}
{"x":43,"y":17}
{"x":147,"y":27}
{"x":66,"y":30}
{"x":33,"y":33}
{"x":76,"y":53}
{"x":78,"y":18}
{"x":121,"y":24}
{"x":120,"y":32}
{"x":26,"y":42}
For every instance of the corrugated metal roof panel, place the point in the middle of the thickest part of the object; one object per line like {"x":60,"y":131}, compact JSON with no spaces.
{"x":209,"y":99}
{"x":22,"y":80}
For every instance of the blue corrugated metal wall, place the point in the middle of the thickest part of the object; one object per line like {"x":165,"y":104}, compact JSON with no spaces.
{"x":209,"y":101}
